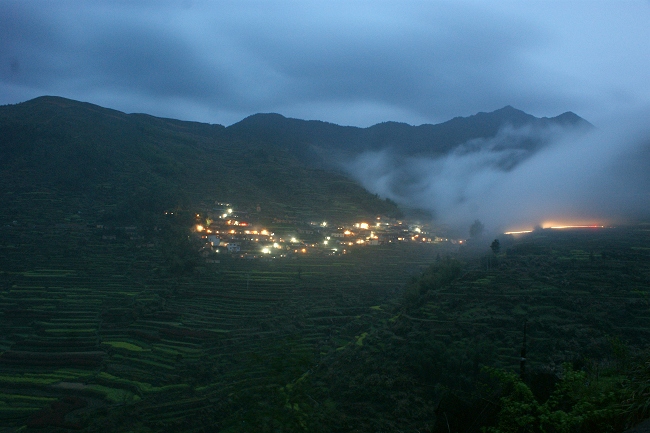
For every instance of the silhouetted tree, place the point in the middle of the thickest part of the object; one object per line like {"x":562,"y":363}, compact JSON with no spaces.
{"x":495,"y":246}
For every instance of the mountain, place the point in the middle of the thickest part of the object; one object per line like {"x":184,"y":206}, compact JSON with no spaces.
{"x":124,"y":166}
{"x":322,"y":141}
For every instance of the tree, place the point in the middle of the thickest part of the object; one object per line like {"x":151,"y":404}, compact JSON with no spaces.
{"x":495,"y":246}
{"x":476,"y":229}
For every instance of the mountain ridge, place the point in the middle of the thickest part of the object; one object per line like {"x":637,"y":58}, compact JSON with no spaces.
{"x":290,"y":166}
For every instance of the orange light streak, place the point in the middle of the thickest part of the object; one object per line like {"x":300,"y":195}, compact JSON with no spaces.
{"x":578,"y":227}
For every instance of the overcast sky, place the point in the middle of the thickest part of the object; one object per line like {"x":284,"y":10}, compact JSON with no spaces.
{"x":349,"y":62}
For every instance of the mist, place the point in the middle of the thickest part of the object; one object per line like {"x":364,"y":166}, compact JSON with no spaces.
{"x":574,"y":177}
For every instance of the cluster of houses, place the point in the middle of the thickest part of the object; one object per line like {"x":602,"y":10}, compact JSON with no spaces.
{"x":225,"y":230}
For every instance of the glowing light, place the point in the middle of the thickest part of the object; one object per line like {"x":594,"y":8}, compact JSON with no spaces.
{"x":324,"y":242}
{"x":264,"y":232}
{"x":520,"y":232}
{"x":304,"y":250}
{"x":418,"y":230}
{"x":572,"y":223}
{"x":294,"y":240}
{"x":266,"y":250}
{"x":229,"y":210}
{"x":324,"y":224}
{"x":363,"y":226}
{"x":276,"y":245}
{"x":347,"y":233}
{"x":578,"y":227}
{"x":199,"y":228}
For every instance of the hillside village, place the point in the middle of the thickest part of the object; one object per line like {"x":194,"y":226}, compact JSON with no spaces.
{"x":223,"y":229}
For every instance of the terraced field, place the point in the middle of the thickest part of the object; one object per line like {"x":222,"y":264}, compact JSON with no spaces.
{"x":92,"y":324}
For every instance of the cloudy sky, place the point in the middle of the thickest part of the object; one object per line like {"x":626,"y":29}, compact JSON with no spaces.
{"x":347,"y":62}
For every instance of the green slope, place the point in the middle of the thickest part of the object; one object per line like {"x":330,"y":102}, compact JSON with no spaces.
{"x":105,"y":162}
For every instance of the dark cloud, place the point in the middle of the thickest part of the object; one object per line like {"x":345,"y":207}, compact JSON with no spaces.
{"x":353,"y":63}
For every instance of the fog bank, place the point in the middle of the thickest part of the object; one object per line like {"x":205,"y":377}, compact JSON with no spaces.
{"x":575,"y":177}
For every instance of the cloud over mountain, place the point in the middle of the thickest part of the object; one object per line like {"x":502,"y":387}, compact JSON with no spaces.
{"x":599,"y":175}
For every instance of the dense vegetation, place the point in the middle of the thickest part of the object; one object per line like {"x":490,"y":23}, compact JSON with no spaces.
{"x":447,"y":356}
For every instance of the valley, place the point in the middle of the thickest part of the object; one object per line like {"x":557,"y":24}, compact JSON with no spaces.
{"x":159,"y":275}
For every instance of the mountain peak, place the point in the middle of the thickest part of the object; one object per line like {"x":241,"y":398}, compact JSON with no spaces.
{"x":570,"y":118}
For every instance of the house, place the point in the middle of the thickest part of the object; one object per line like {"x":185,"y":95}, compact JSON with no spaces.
{"x":233,"y":247}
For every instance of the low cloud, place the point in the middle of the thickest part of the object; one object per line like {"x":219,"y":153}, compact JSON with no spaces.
{"x":573,"y":176}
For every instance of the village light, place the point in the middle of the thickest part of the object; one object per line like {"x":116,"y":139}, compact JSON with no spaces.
{"x":324,"y":242}
{"x":199,"y":228}
{"x":266,"y":250}
{"x":363,"y":226}
{"x":324,"y":224}
{"x":229,"y":210}
{"x":276,"y":245}
{"x":294,"y":240}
